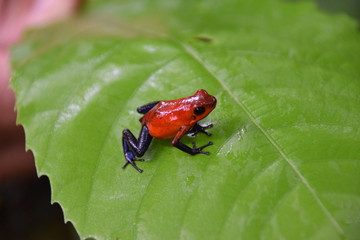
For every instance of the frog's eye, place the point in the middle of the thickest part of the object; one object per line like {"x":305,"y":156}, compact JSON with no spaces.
{"x":199,"y":110}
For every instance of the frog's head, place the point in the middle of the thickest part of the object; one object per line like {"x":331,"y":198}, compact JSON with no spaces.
{"x":203,"y":104}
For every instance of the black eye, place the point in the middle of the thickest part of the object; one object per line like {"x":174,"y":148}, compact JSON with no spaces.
{"x":199,"y":110}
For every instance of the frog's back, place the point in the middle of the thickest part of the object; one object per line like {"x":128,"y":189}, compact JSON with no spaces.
{"x":165,"y":119}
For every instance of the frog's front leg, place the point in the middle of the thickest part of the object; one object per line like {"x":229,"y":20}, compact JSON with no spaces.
{"x":192,"y":151}
{"x":197,"y":128}
{"x":135,"y":147}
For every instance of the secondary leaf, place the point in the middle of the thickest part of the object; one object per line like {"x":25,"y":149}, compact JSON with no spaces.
{"x":285,"y":163}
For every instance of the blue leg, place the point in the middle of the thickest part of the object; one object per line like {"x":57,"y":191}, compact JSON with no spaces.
{"x":147,"y":107}
{"x":135,"y":147}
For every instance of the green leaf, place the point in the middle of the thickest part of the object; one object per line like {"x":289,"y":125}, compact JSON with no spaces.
{"x":285,"y":161}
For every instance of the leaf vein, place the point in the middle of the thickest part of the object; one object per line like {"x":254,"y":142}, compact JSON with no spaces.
{"x":256,"y":176}
{"x":95,"y":169}
{"x":197,"y":58}
{"x":72,"y":95}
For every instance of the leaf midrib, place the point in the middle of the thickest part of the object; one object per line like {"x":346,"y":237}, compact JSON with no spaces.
{"x":192,"y":53}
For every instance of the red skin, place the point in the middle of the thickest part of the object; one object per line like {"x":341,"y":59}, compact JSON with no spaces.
{"x":175,"y":118}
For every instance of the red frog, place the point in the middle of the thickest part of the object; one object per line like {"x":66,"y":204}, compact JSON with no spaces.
{"x":169,"y":119}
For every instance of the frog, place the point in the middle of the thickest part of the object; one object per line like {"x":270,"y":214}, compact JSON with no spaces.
{"x":169,"y":119}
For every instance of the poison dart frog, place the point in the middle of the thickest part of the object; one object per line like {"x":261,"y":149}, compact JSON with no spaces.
{"x":169,"y":119}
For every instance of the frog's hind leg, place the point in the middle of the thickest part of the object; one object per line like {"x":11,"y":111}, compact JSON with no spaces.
{"x":130,"y":157}
{"x":147,"y":107}
{"x":135,"y":147}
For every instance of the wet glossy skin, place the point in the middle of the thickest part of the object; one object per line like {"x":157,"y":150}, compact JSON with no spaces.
{"x":174,"y":118}
{"x":169,"y":119}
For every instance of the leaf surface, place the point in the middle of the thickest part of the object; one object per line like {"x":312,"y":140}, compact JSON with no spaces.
{"x":285,"y":160}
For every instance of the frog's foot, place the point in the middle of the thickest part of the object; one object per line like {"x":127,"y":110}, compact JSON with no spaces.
{"x":199,"y":149}
{"x":130,"y":159}
{"x":199,"y":128}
